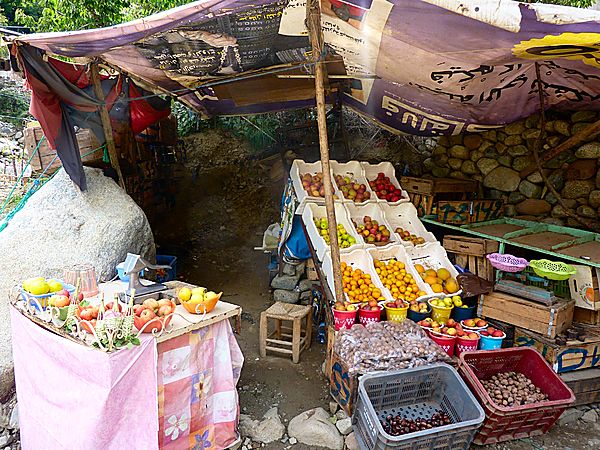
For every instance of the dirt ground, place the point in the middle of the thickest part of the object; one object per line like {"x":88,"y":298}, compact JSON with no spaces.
{"x":221,"y":212}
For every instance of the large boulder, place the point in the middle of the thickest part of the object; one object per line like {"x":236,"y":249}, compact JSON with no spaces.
{"x":502,"y":179}
{"x":60,"y":226}
{"x":270,"y":429}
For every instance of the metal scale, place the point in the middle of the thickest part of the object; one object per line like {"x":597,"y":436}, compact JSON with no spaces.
{"x":132,"y":267}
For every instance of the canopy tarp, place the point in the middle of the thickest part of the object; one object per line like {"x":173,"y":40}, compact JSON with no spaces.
{"x":422,"y":67}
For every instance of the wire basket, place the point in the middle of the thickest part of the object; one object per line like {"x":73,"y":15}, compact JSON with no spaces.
{"x":553,"y":270}
{"x":416,"y":393}
{"x":507,"y":263}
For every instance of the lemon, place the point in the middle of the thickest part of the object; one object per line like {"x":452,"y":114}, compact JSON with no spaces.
{"x":197,"y":298}
{"x":28,"y":282}
{"x":38,"y":286}
{"x":184,"y":294}
{"x":54,"y":285}
{"x":199,"y":291}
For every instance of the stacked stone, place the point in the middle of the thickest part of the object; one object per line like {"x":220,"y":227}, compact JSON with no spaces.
{"x":292,"y":286}
{"x":496,"y":157}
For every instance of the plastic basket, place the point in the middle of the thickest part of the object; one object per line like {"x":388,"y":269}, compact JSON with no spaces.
{"x":357,"y":212}
{"x":553,"y":270}
{"x":343,"y":319}
{"x":446,"y":342}
{"x":163,"y":275}
{"x":459,"y":314}
{"x":372,"y":170}
{"x":440,"y":314}
{"x":354,"y":170}
{"x":365,"y":317}
{"x":42,"y":299}
{"x":396,"y":314}
{"x":398,"y":253}
{"x":417,"y":316}
{"x":505,"y":423}
{"x":405,"y":215}
{"x":507,"y":263}
{"x":312,"y":211}
{"x":416,"y":393}
{"x":465,"y":345}
{"x":298,"y":169}
{"x":530,"y":278}
{"x":433,"y":256}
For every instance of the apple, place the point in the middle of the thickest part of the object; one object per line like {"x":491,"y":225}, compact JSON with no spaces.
{"x":147,"y":315}
{"x":473,"y":336}
{"x":85,"y":314}
{"x":451,"y":323}
{"x":137,"y":309}
{"x":470,"y":323}
{"x":451,"y":331}
{"x":151,"y":303}
{"x":481,"y":323}
{"x":164,"y":310}
{"x":63,"y":292}
{"x":490,"y":330}
{"x":484,"y":333}
{"x":498,"y":334}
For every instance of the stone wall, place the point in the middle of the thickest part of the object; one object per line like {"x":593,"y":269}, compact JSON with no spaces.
{"x":495,"y":158}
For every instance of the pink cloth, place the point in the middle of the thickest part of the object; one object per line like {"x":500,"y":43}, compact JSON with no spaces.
{"x":197,"y":377}
{"x":75,"y":397}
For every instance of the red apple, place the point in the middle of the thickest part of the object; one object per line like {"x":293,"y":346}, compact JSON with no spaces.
{"x":147,"y":315}
{"x":481,"y":323}
{"x":498,"y":334}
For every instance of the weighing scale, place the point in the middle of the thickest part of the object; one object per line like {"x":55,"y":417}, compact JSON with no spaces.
{"x":132,"y":267}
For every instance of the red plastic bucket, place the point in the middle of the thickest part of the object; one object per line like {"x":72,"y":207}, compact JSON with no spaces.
{"x":444,"y":341}
{"x":465,"y":345}
{"x":343,"y":319}
{"x":368,"y":316}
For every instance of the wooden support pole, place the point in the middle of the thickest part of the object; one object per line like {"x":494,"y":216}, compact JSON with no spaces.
{"x":106,"y":126}
{"x":574,"y":140}
{"x":313,"y":16}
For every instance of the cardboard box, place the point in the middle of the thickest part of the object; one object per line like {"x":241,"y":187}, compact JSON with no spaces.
{"x":584,"y":287}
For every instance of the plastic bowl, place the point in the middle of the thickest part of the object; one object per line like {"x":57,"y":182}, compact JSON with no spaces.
{"x":459,"y":314}
{"x":154,"y":325}
{"x":473,"y":328}
{"x":417,"y":316}
{"x":201,"y":308}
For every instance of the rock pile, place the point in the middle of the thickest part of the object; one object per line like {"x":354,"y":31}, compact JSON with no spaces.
{"x":496,"y":157}
{"x":292,"y":285}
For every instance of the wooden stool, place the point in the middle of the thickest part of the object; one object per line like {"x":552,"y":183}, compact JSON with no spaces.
{"x":289,"y":341}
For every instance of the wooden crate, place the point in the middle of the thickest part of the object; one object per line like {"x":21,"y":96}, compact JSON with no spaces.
{"x":460,"y":212}
{"x":423,"y":192}
{"x":545,"y":320}
{"x":470,"y":253}
{"x":587,"y":316}
{"x":574,"y":355}
{"x":85,"y":139}
{"x":343,"y":386}
{"x":585,"y":384}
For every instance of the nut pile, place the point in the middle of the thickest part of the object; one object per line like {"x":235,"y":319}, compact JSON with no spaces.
{"x":513,"y":389}
{"x":397,"y":426}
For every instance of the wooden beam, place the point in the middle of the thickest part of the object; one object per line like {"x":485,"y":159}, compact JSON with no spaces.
{"x":106,"y":126}
{"x":574,"y":140}
{"x":313,"y":16}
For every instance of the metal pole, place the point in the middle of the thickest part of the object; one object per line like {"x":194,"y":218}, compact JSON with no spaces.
{"x":313,"y":16}
{"x":106,"y":126}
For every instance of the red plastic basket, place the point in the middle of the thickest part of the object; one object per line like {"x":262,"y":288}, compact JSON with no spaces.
{"x":503,"y":423}
{"x":465,"y":345}
{"x":365,"y":317}
{"x":446,"y":342}
{"x":343,"y":319}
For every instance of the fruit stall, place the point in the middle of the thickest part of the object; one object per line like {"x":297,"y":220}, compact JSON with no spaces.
{"x":166,"y":355}
{"x":400,"y":300}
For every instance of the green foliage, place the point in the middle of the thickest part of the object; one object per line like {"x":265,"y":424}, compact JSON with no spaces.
{"x":573,"y":3}
{"x":14,"y":105}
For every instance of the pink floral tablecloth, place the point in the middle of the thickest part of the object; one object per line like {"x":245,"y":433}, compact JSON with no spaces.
{"x":198,"y":405}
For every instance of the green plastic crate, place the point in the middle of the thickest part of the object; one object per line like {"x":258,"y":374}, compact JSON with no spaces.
{"x":529,"y":278}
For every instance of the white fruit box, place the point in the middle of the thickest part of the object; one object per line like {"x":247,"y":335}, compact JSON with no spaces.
{"x":584,"y":287}
{"x":356,"y":213}
{"x":312,"y":211}
{"x":398,"y":252}
{"x":432,"y":256}
{"x":354,"y":170}
{"x":357,"y":259}
{"x":405,"y":215}
{"x":372,"y":170}
{"x":298,"y":169}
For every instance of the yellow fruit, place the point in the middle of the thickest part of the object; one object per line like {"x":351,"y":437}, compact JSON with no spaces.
{"x":451,"y":286}
{"x":38,"y":286}
{"x":448,"y":302}
{"x":431,"y":273}
{"x":54,"y":286}
{"x":199,"y":291}
{"x":437,"y":288}
{"x":196,"y":298}
{"x":444,"y":274}
{"x":184,"y":294}
{"x":419,"y":268}
{"x":457,"y":302}
{"x":431,"y":280}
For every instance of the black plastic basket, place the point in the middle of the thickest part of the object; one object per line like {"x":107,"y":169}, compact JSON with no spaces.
{"x":416,"y":393}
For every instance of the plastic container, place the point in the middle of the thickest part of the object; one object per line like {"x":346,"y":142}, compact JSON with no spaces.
{"x":121,"y":272}
{"x":465,"y":345}
{"x":433,"y":256}
{"x":354,"y":170}
{"x":417,"y":316}
{"x":396,"y":314}
{"x":42,"y":299}
{"x":357,"y":258}
{"x":312,"y":211}
{"x":365,"y":317}
{"x":372,"y":170}
{"x":405,"y":215}
{"x":446,"y":342}
{"x":343,"y":319}
{"x":416,"y":393}
{"x":357,"y":212}
{"x":398,"y":253}
{"x":459,"y":314}
{"x":472,"y":328}
{"x":440,"y":314}
{"x":504,"y":423}
{"x":86,"y":274}
{"x":553,"y":270}
{"x":491,"y":342}
{"x":298,"y":169}
{"x":164,"y":275}
{"x":507,"y":263}
{"x":530,"y":278}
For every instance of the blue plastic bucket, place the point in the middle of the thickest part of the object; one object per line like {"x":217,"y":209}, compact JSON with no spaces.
{"x":459,"y":313}
{"x":490,"y":343}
